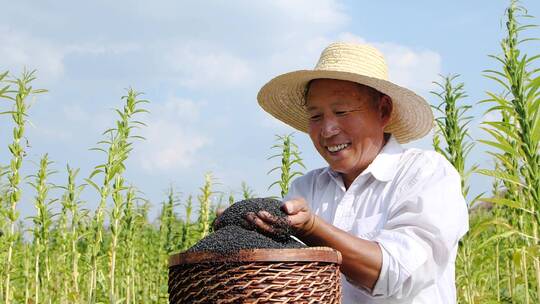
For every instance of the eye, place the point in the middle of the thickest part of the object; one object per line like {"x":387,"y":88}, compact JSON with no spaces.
{"x":315,"y":117}
{"x":342,"y":113}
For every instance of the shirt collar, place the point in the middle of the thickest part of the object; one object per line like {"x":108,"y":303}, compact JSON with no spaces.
{"x":383,"y":167}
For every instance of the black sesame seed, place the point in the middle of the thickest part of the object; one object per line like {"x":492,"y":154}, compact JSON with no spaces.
{"x":234,"y":232}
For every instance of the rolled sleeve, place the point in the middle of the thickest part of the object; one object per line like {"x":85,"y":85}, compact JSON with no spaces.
{"x":386,"y":283}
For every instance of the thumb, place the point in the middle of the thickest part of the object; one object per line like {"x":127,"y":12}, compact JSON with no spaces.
{"x":219,"y":211}
{"x":293,"y":206}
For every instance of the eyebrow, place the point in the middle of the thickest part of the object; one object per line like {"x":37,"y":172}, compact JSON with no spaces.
{"x":337,"y":103}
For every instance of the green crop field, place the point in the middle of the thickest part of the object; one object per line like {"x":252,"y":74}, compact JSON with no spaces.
{"x":117,"y":254}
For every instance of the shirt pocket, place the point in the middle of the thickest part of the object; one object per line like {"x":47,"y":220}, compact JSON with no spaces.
{"x":367,"y":227}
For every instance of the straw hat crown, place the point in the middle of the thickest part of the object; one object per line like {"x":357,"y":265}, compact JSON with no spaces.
{"x":362,"y":59}
{"x":283,"y":96}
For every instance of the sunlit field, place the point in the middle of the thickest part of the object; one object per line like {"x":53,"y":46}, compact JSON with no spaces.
{"x":116,"y":253}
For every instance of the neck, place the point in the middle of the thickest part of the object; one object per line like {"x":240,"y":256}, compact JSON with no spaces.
{"x":348,"y":179}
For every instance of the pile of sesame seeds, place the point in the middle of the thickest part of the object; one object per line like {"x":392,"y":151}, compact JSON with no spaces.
{"x":233,"y":232}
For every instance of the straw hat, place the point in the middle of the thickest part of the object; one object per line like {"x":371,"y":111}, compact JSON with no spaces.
{"x":283,"y":96}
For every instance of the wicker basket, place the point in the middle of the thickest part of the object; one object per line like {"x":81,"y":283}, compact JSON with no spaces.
{"x":309,"y":275}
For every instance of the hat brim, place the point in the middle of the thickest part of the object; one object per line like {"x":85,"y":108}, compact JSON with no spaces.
{"x":283,"y":97}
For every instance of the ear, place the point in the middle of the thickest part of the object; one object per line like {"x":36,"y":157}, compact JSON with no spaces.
{"x":385,"y":109}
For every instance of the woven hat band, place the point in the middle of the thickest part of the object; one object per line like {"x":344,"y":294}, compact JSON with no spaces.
{"x":359,"y":59}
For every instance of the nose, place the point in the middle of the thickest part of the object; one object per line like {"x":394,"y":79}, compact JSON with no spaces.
{"x":330,"y":128}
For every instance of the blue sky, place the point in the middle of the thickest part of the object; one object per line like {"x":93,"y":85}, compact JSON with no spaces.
{"x":201,"y":63}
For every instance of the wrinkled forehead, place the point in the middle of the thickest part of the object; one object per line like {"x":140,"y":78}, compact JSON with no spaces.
{"x":332,"y":104}
{"x":322,"y":92}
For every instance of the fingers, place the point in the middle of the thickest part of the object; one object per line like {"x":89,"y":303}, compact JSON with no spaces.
{"x":215,"y":224}
{"x":301,"y":219}
{"x":262,"y":221}
{"x":219,"y":211}
{"x":298,"y":220}
{"x":267,"y":217}
{"x":295,"y":206}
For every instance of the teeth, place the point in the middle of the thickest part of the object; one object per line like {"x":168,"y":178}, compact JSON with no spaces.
{"x":337,"y":148}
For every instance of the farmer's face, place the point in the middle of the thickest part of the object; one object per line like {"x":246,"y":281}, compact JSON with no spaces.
{"x":346,"y":126}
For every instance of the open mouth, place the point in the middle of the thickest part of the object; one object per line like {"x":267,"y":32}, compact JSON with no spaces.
{"x":337,"y":148}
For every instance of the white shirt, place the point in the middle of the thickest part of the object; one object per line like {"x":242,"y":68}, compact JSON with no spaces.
{"x":410,"y":203}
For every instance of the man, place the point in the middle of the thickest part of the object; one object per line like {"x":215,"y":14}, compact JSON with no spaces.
{"x":395,"y":215}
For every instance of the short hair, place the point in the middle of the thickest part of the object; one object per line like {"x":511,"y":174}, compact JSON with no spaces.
{"x":373,"y":93}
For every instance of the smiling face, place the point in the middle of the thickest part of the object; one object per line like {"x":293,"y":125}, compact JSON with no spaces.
{"x":346,"y":124}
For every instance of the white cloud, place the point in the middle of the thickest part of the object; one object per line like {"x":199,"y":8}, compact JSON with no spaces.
{"x":178,"y":109}
{"x":95,"y":48}
{"x":50,"y":132}
{"x":350,"y":37}
{"x":296,"y":55}
{"x":201,"y":65}
{"x":170,"y":141}
{"x":327,"y":13}
{"x":210,"y":55}
{"x":414,"y":69}
{"x":169,"y":146}
{"x":268,"y":121}
{"x":93,"y":120}
{"x":19,"y":50}
{"x":279,"y":17}
{"x":75,"y":112}
{"x":277,"y":36}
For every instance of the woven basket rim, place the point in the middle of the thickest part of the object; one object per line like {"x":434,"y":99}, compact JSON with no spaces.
{"x":309,"y":254}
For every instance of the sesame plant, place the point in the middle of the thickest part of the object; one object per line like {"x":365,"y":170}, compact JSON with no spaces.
{"x":168,"y":222}
{"x":127,"y":252}
{"x":118,"y":146}
{"x":514,"y":140}
{"x":70,"y":234}
{"x":186,"y":230}
{"x":205,"y":204}
{"x":452,"y":140}
{"x":117,"y":252}
{"x":247,"y":193}
{"x":452,"y":125}
{"x":290,"y":157}
{"x":19,"y":98}
{"x":41,"y":232}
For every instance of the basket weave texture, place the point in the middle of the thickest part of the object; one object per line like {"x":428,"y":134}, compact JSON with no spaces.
{"x":257,"y":276}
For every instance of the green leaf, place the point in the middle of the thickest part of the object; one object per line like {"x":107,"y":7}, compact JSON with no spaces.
{"x":495,"y":237}
{"x":536,"y":129}
{"x":274,"y":183}
{"x":502,"y":201}
{"x":97,"y":171}
{"x":501,"y":175}
{"x":89,"y":181}
{"x":502,"y":146}
{"x":296,"y":173}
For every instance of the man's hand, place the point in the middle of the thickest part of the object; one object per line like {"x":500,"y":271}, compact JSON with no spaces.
{"x":301,"y":219}
{"x":362,"y":259}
